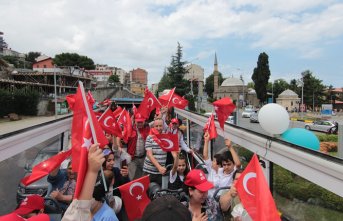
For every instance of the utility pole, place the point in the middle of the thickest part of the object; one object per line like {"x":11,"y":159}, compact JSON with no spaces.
{"x":55,"y":87}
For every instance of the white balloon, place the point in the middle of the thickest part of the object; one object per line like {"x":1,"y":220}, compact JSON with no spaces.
{"x":273,"y":118}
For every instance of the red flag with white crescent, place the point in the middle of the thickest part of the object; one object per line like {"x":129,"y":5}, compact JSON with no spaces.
{"x":109,"y":123}
{"x":125,"y":120}
{"x":167,"y":142}
{"x":134,"y":197}
{"x":210,"y":127}
{"x":148,"y":104}
{"x":254,"y":193}
{"x":81,"y":136}
{"x":45,"y":167}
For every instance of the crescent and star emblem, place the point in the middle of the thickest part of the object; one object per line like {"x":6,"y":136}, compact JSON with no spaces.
{"x":106,"y":119}
{"x":170,"y":143}
{"x":136,"y":184}
{"x":150,"y":103}
{"x":246,"y":178}
{"x":176,"y":100}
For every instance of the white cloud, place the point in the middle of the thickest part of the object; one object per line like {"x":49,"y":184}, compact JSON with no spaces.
{"x":144,"y":33}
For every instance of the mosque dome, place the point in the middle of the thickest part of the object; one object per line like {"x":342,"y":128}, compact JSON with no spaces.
{"x":232,"y":81}
{"x":288,"y":93}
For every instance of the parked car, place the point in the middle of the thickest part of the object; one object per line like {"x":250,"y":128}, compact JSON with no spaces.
{"x":230,"y":120}
{"x":39,"y":187}
{"x":322,"y":126}
{"x":254,"y":117}
{"x":247,"y":112}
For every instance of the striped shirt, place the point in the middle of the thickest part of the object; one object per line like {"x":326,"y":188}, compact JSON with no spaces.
{"x":157,"y":152}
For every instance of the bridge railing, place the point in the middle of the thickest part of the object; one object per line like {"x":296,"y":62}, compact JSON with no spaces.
{"x":321,"y":169}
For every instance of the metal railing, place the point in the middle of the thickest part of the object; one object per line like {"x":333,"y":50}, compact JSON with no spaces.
{"x":321,"y":169}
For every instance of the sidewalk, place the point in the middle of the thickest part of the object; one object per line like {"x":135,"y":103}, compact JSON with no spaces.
{"x":7,"y":126}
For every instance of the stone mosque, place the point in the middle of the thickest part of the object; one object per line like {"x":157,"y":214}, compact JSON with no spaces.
{"x":234,"y":88}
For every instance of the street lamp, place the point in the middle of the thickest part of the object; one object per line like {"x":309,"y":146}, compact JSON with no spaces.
{"x":55,"y":88}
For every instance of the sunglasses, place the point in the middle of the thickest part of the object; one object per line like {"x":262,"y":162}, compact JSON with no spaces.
{"x":106,"y":151}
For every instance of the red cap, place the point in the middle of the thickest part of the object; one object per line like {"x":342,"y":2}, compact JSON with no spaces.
{"x":39,"y":217}
{"x":29,"y":204}
{"x":15,"y":217}
{"x":196,"y":178}
{"x":139,"y":118}
{"x":174,"y":121}
{"x":11,"y":217}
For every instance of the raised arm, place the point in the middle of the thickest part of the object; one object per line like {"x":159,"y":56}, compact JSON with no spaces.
{"x":235,"y":156}
{"x":206,"y":141}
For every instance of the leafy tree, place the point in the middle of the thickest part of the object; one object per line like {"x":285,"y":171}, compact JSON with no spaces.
{"x":113,"y":78}
{"x":73,"y":59}
{"x":313,"y":89}
{"x":251,"y":85}
{"x":261,"y":76}
{"x":31,"y":56}
{"x":209,"y":83}
{"x":277,"y":87}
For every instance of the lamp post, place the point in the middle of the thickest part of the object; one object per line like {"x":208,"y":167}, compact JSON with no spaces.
{"x":55,"y":88}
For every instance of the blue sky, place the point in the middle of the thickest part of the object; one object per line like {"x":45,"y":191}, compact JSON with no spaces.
{"x":297,"y":35}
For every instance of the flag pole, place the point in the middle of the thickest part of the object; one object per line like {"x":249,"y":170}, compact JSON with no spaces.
{"x":171,"y":95}
{"x":103,"y":113}
{"x":91,"y":126}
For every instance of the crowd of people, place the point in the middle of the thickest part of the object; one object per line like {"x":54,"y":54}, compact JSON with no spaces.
{"x":142,"y":155}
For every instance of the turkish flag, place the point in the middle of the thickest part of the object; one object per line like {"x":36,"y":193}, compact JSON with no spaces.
{"x":81,"y":136}
{"x":109,"y":124}
{"x":165,"y":99}
{"x":178,"y":101}
{"x":134,"y":110}
{"x":134,"y":197}
{"x":254,"y":193}
{"x":125,"y":120}
{"x":210,"y":127}
{"x":223,"y":108}
{"x":117,"y":111}
{"x":90,"y":98}
{"x":167,"y":142}
{"x":105,"y":102}
{"x":148,"y":104}
{"x":45,"y":167}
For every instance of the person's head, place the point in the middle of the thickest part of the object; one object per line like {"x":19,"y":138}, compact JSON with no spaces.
{"x":175,"y":123}
{"x":99,"y":189}
{"x":70,"y":173}
{"x":182,"y":166}
{"x":227,"y":162}
{"x":198,"y":186}
{"x":158,"y":125}
{"x":236,"y":175}
{"x":109,"y":137}
{"x":109,"y":159}
{"x":113,"y":106}
{"x":139,"y":120}
{"x":30,"y":206}
{"x":166,"y":208}
{"x":217,"y":161}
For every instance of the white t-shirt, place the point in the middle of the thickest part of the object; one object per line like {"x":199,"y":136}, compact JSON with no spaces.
{"x":213,"y":176}
{"x":239,"y":211}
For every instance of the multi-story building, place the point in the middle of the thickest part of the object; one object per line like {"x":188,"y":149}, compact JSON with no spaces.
{"x":138,"y":80}
{"x":121,"y":73}
{"x":139,"y":75}
{"x":101,"y":76}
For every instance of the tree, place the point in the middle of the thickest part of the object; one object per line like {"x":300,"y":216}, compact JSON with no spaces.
{"x":209,"y":83}
{"x":261,"y":76}
{"x":113,"y":79}
{"x":31,"y":56}
{"x":313,"y":89}
{"x":73,"y":59}
{"x":277,"y":87}
{"x":251,"y":85}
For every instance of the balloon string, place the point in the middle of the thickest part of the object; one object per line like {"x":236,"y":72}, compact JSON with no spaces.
{"x":268,"y":145}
